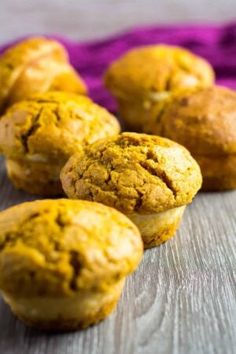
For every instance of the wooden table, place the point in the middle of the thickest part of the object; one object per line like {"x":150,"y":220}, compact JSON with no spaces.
{"x":182,"y":299}
{"x":91,"y":19}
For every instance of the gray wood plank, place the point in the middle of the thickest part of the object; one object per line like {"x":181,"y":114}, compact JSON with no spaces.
{"x":181,"y":300}
{"x":89,"y":19}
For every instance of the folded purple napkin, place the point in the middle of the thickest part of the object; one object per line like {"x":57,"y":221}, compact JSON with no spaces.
{"x":215,"y":43}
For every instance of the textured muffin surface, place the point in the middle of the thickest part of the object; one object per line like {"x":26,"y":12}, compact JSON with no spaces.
{"x":204,"y":121}
{"x":64,"y":247}
{"x":53,"y":125}
{"x":156,"y":68}
{"x":36,"y":65}
{"x":133,"y":172}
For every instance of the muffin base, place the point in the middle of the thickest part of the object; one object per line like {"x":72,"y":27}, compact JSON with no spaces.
{"x":219,"y":173}
{"x":68,"y":313}
{"x":35,"y":177}
{"x":157,"y":228}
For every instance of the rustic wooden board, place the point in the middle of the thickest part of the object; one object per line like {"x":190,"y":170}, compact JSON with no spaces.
{"x":90,"y":19}
{"x":181,"y":300}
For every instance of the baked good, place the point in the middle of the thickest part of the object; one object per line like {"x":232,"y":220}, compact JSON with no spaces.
{"x":204,"y":121}
{"x":37,"y":136}
{"x":148,"y":178}
{"x":63,"y":263}
{"x":36,"y":65}
{"x":143,"y":79}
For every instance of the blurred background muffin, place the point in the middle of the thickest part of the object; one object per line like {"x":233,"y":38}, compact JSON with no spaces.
{"x":148,"y":178}
{"x":204,"y":121}
{"x":36,"y":65}
{"x":144,"y":78}
{"x":38,"y":135}
{"x":64,"y":265}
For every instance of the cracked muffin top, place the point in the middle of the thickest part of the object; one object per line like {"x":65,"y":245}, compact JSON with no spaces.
{"x":53,"y":125}
{"x":147,"y":70}
{"x":64,"y":246}
{"x":204,"y":121}
{"x":133,"y":173}
{"x":36,"y":65}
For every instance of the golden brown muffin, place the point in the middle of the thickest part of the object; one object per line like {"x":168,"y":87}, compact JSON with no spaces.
{"x":204,"y":122}
{"x":148,"y":178}
{"x":36,"y":65}
{"x":143,"y":79}
{"x":38,"y":135}
{"x":63,"y":263}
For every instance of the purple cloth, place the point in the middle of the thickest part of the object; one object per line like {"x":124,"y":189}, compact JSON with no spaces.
{"x":215,"y":43}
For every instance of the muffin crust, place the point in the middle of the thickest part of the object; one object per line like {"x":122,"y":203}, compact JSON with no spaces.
{"x":52,"y":124}
{"x":57,"y":239}
{"x":157,"y":68}
{"x":133,"y":172}
{"x":76,"y":253}
{"x":36,"y":65}
{"x":204,"y":121}
{"x":38,"y":136}
{"x":144,"y":79}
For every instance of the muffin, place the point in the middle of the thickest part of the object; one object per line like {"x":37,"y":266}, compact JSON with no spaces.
{"x":37,"y":136}
{"x":143,"y":79}
{"x":63,"y":263}
{"x":204,"y":121}
{"x":36,"y":65}
{"x":148,"y":178}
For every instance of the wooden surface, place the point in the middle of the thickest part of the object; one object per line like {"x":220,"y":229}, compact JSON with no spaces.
{"x":89,"y":19}
{"x":181,"y":300}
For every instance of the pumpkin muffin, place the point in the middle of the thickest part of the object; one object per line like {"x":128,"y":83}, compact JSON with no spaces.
{"x":143,"y":79}
{"x":63,"y":263}
{"x":36,"y":65}
{"x":37,"y":136}
{"x":148,"y":178}
{"x":204,"y":122}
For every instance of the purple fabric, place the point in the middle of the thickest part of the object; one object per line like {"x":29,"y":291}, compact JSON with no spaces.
{"x":215,"y":43}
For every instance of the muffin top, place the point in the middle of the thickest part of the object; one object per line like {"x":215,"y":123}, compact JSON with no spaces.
{"x":133,"y":173}
{"x":204,"y":121}
{"x":53,"y":125}
{"x":40,"y":55}
{"x":65,"y":246}
{"x":148,"y":70}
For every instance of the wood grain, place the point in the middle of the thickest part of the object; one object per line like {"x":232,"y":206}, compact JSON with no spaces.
{"x":90,"y":19}
{"x":181,"y":300}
